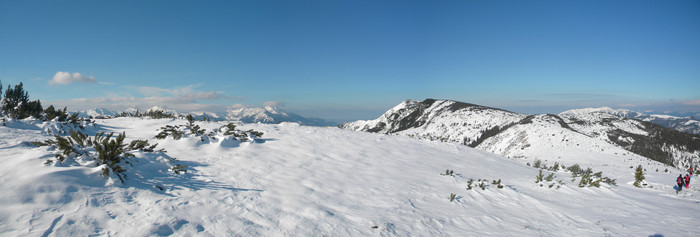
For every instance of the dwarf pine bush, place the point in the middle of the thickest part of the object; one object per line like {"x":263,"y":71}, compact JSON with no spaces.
{"x":448,"y":173}
{"x":194,"y":129}
{"x":588,"y":177}
{"x":141,"y":145}
{"x":47,"y":142}
{"x":497,"y":183}
{"x":179,"y":169}
{"x":170,"y":131}
{"x":555,"y":167}
{"x":537,"y":163}
{"x":158,"y":114}
{"x":539,"y":177}
{"x":482,"y":185}
{"x":549,"y":177}
{"x":575,"y":170}
{"x":178,"y":131}
{"x":230,"y":129}
{"x":452,"y":197}
{"x":105,"y":149}
{"x":639,"y":176}
{"x":111,"y":152}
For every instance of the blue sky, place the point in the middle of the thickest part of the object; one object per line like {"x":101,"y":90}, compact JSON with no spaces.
{"x":346,"y":60}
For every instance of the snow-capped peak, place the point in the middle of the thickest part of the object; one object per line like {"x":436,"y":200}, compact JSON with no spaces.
{"x":96,"y":113}
{"x":270,"y":114}
{"x":606,"y":110}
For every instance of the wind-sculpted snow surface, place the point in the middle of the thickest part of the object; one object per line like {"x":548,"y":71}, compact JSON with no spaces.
{"x":313,"y":181}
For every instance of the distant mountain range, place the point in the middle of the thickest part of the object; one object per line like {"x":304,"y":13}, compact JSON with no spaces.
{"x":266,"y":114}
{"x":543,"y":136}
{"x":683,"y":124}
{"x":270,"y":114}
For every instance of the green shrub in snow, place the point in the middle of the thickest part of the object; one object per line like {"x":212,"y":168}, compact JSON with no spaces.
{"x":170,"y":131}
{"x":539,"y":177}
{"x":179,"y":169}
{"x":142,"y":145}
{"x":105,"y":149}
{"x":448,"y":173}
{"x":178,"y":131}
{"x":555,"y":167}
{"x":639,"y":177}
{"x":230,"y":129}
{"x":549,"y":177}
{"x":537,"y":163}
{"x":575,"y":170}
{"x":497,"y":183}
{"x":194,"y":129}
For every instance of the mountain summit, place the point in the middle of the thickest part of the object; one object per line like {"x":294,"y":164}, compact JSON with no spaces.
{"x":271,"y":114}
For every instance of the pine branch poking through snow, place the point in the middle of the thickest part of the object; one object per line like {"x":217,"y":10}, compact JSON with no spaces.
{"x":102,"y":149}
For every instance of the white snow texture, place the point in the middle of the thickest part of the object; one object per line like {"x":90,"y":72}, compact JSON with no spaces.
{"x":315,"y":181}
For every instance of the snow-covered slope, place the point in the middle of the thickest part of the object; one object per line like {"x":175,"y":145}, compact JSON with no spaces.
{"x":442,"y":120}
{"x":645,"y":138}
{"x":547,"y":138}
{"x":270,"y":114}
{"x":683,"y":124}
{"x":504,"y":131}
{"x":314,"y":181}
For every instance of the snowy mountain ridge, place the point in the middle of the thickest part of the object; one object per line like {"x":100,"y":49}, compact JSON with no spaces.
{"x":439,"y":120}
{"x":271,"y":114}
{"x":96,"y":113}
{"x":510,"y":134}
{"x":266,"y":114}
{"x":683,"y":124}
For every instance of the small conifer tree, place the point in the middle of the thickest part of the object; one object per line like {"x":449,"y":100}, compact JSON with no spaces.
{"x":50,"y":113}
{"x":638,"y":176}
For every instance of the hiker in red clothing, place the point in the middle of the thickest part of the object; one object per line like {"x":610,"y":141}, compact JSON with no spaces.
{"x":680,"y":181}
{"x":687,"y":181}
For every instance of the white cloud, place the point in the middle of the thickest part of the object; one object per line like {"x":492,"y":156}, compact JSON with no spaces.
{"x":183,"y":94}
{"x":69,"y":78}
{"x":183,"y":99}
{"x":273,"y":104}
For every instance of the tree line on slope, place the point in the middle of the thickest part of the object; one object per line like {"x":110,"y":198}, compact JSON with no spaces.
{"x":16,"y":104}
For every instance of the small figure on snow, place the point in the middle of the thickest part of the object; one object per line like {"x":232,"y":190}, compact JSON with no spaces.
{"x":687,"y":181}
{"x":690,"y":171}
{"x":680,"y":181}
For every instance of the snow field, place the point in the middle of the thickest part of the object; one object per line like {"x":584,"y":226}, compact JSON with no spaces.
{"x":312,"y":181}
